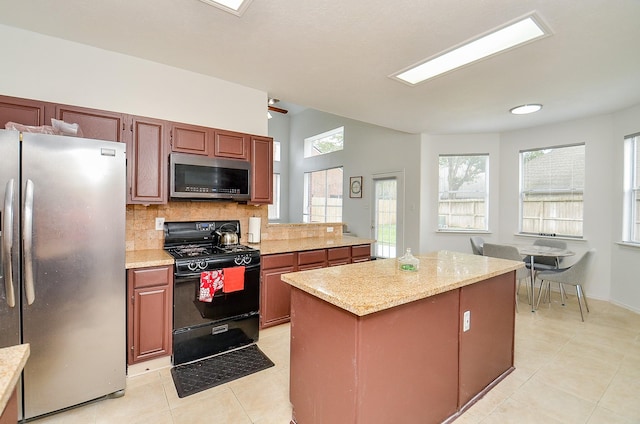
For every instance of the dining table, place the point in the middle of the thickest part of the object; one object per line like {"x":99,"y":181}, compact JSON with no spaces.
{"x":533,"y":251}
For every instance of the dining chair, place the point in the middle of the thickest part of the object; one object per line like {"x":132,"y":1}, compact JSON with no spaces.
{"x":503,"y":251}
{"x":476,"y":245}
{"x":574,"y":275}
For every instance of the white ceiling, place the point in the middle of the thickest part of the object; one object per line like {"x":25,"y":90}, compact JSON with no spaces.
{"x":336,"y":55}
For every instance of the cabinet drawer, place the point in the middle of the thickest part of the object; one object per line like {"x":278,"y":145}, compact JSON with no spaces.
{"x":279,"y":260}
{"x":360,"y":251}
{"x":147,"y":277}
{"x":336,"y":253}
{"x":312,"y":256}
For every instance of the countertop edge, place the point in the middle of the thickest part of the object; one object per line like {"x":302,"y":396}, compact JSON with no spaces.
{"x":147,"y":258}
{"x":13,"y":360}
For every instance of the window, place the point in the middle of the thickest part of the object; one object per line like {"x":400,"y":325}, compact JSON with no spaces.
{"x":276,"y":151}
{"x":274,"y":209}
{"x":330,"y":141}
{"x":551,"y":191}
{"x":463,"y":192}
{"x":323,"y":196}
{"x":631,"y":230}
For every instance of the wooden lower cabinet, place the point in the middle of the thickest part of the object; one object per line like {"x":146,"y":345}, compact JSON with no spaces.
{"x":361,"y":253}
{"x":149,"y":313}
{"x":339,"y":256}
{"x":275,"y":295}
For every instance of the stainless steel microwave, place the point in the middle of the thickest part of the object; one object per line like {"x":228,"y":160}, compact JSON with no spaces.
{"x":201,"y":177}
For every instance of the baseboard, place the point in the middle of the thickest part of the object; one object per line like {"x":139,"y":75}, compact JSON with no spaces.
{"x":147,"y":366}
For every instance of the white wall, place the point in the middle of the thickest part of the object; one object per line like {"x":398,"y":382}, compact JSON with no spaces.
{"x":279,"y":126}
{"x":40,"y":67}
{"x":368,"y":150}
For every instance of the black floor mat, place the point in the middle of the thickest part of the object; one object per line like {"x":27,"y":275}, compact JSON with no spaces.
{"x":210,"y":372}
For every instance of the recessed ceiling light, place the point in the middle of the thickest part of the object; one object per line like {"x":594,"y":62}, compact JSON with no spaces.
{"x":524,"y":109}
{"x":236,"y":7}
{"x":496,"y":41}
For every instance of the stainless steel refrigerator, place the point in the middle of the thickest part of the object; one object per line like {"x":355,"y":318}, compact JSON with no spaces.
{"x":62,"y":276}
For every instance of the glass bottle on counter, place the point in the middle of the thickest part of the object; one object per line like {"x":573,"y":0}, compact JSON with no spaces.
{"x":408,"y":262}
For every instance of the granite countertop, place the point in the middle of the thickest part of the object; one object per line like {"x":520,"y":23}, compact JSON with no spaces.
{"x":147,"y":258}
{"x":369,"y":287}
{"x":268,"y":247}
{"x":12,"y":361}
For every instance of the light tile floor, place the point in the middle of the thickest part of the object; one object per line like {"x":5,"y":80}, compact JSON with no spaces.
{"x":567,"y":372}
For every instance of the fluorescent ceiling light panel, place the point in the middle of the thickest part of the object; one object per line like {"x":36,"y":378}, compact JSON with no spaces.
{"x":510,"y":36}
{"x":236,"y":7}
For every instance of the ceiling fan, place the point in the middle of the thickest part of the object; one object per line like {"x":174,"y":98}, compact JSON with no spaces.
{"x":273,"y":108}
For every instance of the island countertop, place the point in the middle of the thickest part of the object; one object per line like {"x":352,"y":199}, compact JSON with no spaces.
{"x":369,"y":287}
{"x":12,"y":361}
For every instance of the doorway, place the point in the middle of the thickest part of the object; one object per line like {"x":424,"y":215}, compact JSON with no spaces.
{"x":387,"y":222}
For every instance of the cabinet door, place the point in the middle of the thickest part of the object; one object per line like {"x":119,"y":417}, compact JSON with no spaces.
{"x":261,"y":170}
{"x":233,"y":145}
{"x":276,"y":297}
{"x":149,"y":318}
{"x":98,"y":124}
{"x":25,"y":112}
{"x":190,"y":139}
{"x":147,"y":161}
{"x":361,"y":253}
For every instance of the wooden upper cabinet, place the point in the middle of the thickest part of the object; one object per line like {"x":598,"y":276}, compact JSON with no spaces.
{"x":147,"y":161}
{"x":261,"y":170}
{"x":25,"y":112}
{"x":187,"y":138}
{"x":232,"y":145}
{"x":98,"y":124}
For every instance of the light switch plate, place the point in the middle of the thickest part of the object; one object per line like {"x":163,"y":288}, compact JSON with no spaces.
{"x":160,"y":224}
{"x":466,"y":321}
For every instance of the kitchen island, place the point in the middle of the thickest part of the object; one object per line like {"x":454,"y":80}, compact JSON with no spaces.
{"x":373,"y":344}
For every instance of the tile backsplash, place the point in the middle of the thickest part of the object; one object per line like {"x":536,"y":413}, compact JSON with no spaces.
{"x":141,"y":233}
{"x":141,"y":220}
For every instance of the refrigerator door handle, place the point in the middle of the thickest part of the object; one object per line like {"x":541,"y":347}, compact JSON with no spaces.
{"x":7,"y":244}
{"x":27,"y":243}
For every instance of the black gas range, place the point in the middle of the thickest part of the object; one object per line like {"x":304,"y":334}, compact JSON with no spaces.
{"x":228,"y":320}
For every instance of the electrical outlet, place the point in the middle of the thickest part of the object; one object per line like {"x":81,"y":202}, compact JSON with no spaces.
{"x":466,"y":321}
{"x":160,"y":224}
{"x":329,"y":229}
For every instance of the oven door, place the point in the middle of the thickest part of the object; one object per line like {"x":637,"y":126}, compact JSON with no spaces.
{"x":189,"y":312}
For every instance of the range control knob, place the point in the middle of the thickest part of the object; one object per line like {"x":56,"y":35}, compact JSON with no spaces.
{"x":242,"y":260}
{"x":192,"y":266}
{"x":202,"y":264}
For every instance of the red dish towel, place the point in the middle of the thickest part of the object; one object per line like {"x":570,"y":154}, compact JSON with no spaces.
{"x":210,"y":283}
{"x":233,"y":279}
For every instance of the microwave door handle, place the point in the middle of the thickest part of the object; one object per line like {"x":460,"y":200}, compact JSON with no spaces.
{"x":27,"y":243}
{"x":7,"y":244}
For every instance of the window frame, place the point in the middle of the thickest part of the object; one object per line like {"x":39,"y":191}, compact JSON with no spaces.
{"x":484,"y":193}
{"x":307,"y":196}
{"x":631,"y":209}
{"x":571,"y":190}
{"x":273,"y":210}
{"x":308,"y":145}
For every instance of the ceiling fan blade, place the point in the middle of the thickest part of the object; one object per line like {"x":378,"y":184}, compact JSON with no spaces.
{"x":277,"y":109}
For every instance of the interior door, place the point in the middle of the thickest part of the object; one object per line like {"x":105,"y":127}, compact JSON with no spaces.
{"x":387,"y":222}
